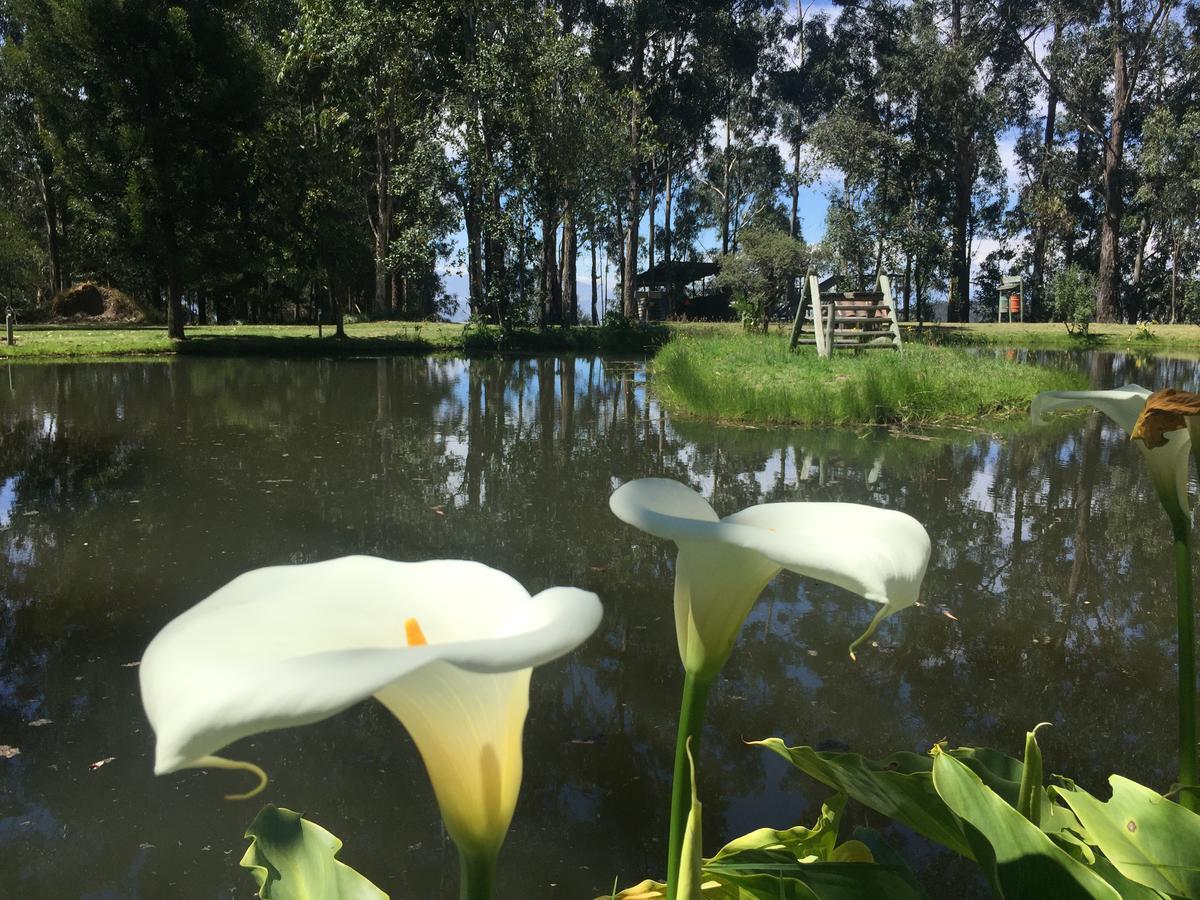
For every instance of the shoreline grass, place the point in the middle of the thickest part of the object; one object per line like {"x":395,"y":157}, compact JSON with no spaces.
{"x":85,"y":341}
{"x":1052,"y":335}
{"x":756,"y":380}
{"x":64,"y":343}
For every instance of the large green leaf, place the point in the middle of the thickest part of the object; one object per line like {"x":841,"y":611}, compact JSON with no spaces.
{"x":886,"y":855}
{"x":1148,"y":838}
{"x":1017,"y":857}
{"x":292,"y":858}
{"x":899,"y":786}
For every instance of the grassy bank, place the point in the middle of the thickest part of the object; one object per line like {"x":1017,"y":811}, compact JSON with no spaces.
{"x":756,"y":380}
{"x":1052,"y":335}
{"x":373,"y":338}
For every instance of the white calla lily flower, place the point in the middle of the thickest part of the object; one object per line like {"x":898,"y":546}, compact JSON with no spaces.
{"x":1165,"y":425}
{"x":1166,"y":452}
{"x":448,"y":646}
{"x":724,"y":564}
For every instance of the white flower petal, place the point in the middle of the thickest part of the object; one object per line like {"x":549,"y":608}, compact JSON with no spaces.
{"x":1123,"y":405}
{"x":290,"y":645}
{"x":1168,"y":464}
{"x":468,"y":728}
{"x":879,"y":554}
{"x":724,"y":564}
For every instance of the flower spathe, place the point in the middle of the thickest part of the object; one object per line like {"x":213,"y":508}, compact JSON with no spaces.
{"x":1160,"y":422}
{"x":724,"y":564}
{"x":447,"y":645}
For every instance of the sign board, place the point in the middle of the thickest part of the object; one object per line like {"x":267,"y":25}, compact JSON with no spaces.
{"x":1008,"y":281}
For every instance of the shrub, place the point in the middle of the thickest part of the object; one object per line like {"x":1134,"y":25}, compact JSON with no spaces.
{"x":1074,"y":294}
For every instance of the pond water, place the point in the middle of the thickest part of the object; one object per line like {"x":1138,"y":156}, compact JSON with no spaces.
{"x":130,"y":491}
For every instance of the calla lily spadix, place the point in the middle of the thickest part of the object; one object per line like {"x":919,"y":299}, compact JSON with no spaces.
{"x":724,"y":564}
{"x":447,"y":646}
{"x":1166,"y":427}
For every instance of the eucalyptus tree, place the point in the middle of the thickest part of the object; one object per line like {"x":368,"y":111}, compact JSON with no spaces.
{"x":1170,"y":160}
{"x":967,"y":56}
{"x":1127,"y":32}
{"x":28,"y":169}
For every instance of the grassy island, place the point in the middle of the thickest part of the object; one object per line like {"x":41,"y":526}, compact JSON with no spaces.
{"x":753,"y":379}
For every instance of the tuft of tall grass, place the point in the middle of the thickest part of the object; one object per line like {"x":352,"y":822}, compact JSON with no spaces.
{"x":755,"y":379}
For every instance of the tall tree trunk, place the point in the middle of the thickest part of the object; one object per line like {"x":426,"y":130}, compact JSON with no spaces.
{"x":629,"y":279}
{"x":336,"y":312}
{"x":1134,"y":297}
{"x":46,"y":187}
{"x":1108,"y":287}
{"x":174,"y":285}
{"x":595,"y":317}
{"x":1037,"y":304}
{"x":653,"y":200}
{"x":667,"y":235}
{"x":725,"y":185}
{"x":551,"y":286}
{"x":474,"y":223}
{"x":621,"y":268}
{"x":908,"y":271}
{"x":383,"y":219}
{"x":493,"y":245}
{"x":1174,"y":273}
{"x":568,"y":267}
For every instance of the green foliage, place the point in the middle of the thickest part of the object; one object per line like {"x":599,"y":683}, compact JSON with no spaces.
{"x":1148,"y":838}
{"x":292,"y":858}
{"x":759,"y":275}
{"x":755,"y":379}
{"x":799,"y":864}
{"x":1017,"y":857}
{"x":1074,"y":293}
{"x":1030,"y":841}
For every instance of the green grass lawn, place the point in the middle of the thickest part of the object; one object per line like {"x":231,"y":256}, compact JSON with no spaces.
{"x":752,"y":379}
{"x":90,"y":342}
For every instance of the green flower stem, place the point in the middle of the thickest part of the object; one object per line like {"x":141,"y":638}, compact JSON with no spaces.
{"x":1187,"y":666}
{"x":477,"y":875}
{"x":691,"y":720}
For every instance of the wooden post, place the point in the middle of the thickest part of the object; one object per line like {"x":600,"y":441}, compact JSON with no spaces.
{"x":8,"y":327}
{"x":799,"y":320}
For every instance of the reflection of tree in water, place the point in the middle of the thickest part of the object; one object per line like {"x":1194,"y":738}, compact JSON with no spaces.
{"x":181,"y":476}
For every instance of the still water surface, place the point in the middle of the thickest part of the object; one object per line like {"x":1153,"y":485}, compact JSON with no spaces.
{"x":130,"y":491}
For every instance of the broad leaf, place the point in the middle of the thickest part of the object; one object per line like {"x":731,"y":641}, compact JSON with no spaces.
{"x":1017,"y":857}
{"x":899,"y":786}
{"x":817,"y":842}
{"x":886,"y":855}
{"x":1129,"y":890}
{"x":292,"y":858}
{"x":1148,"y":838}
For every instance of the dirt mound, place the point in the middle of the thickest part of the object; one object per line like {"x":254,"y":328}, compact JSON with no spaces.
{"x":89,"y":302}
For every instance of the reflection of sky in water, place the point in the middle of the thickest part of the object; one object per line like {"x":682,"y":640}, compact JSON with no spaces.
{"x":8,"y":496}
